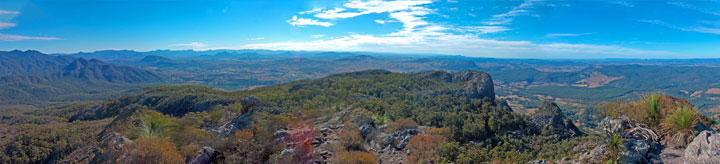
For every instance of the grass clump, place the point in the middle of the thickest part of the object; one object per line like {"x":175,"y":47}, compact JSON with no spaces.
{"x":679,"y":126}
{"x":155,"y":124}
{"x":654,"y":107}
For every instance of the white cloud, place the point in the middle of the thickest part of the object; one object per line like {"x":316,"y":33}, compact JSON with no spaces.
{"x":13,"y":37}
{"x":311,"y":11}
{"x":4,"y":25}
{"x":553,"y":35}
{"x":408,"y":12}
{"x":419,"y":35}
{"x":191,"y":44}
{"x":318,"y":36}
{"x":622,"y":3}
{"x":469,"y":45}
{"x":9,"y":12}
{"x":485,"y":29}
{"x":295,"y":21}
{"x":337,"y":14}
{"x":256,"y":39}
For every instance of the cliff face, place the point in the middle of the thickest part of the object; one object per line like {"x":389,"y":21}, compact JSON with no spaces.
{"x":477,"y":84}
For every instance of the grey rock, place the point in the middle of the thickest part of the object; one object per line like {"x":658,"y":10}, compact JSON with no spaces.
{"x":635,"y":152}
{"x":542,"y":161}
{"x":479,"y":84}
{"x":243,"y":121}
{"x":288,"y":152}
{"x":249,"y":102}
{"x":614,"y":126}
{"x":366,"y":129}
{"x":400,"y":138}
{"x":205,"y":156}
{"x":281,"y":135}
{"x":550,"y":118}
{"x":706,"y":145}
{"x":595,"y":155}
{"x":639,"y":146}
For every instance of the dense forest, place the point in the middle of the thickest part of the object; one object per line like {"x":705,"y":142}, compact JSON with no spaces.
{"x":358,"y":117}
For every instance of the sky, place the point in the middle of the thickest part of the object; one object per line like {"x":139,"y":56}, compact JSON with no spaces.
{"x":580,"y":29}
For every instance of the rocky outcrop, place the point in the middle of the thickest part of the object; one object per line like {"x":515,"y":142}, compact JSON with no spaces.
{"x":398,"y":138}
{"x":704,"y":148}
{"x":476,"y":84}
{"x":550,"y":119}
{"x":205,"y":156}
{"x":595,"y":155}
{"x":614,"y":126}
{"x":635,"y":151}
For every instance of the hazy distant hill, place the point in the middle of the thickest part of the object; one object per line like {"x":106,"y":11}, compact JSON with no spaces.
{"x":33,"y":78}
{"x":576,"y":84}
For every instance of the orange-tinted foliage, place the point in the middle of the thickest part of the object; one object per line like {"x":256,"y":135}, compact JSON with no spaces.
{"x":423,"y":148}
{"x":351,"y":140}
{"x":154,"y":150}
{"x":402,"y":124}
{"x":355,"y":157}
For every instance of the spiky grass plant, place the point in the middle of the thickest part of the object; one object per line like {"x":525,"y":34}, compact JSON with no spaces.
{"x":653,"y":104}
{"x":679,"y":127}
{"x":155,"y":124}
{"x":615,"y":146}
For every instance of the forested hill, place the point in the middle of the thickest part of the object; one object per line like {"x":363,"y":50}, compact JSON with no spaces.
{"x":366,"y":116}
{"x":369,"y":116}
{"x":34,"y":78}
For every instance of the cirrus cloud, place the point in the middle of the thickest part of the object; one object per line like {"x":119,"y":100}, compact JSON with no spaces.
{"x":9,"y":12}
{"x":191,"y":44}
{"x":13,"y":37}
{"x":4,"y":25}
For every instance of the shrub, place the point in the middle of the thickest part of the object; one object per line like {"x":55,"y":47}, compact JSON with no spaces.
{"x":402,"y":124}
{"x":216,"y":115}
{"x":154,"y":150}
{"x":355,"y":157}
{"x":424,"y":148}
{"x":351,"y":140}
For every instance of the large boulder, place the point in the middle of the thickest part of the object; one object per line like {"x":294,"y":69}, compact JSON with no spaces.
{"x":366,"y":129}
{"x":550,"y":119}
{"x":595,"y":155}
{"x":478,"y":84}
{"x":614,"y":125}
{"x":205,"y":156}
{"x":704,"y":148}
{"x":399,"y":138}
{"x":635,"y":151}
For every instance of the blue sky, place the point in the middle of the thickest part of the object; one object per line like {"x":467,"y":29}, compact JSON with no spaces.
{"x":482,"y":28}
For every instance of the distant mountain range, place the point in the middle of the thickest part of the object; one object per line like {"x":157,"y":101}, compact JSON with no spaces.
{"x":577,"y":85}
{"x":31,"y":77}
